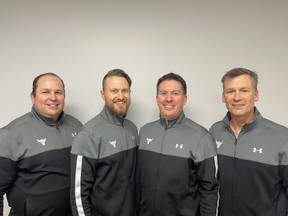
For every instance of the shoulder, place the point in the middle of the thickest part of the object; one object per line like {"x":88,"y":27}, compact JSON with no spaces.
{"x":195,"y":127}
{"x":19,"y":122}
{"x":151,"y":125}
{"x":72,"y":119}
{"x":216,"y":126}
{"x":273,"y":126}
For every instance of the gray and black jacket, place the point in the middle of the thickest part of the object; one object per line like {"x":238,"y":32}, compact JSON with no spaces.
{"x":177,"y":169}
{"x":253,"y":168}
{"x":35,"y":164}
{"x":103,"y":167}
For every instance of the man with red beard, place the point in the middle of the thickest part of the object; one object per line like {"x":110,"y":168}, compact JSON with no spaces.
{"x":252,"y":152}
{"x":103,"y":155}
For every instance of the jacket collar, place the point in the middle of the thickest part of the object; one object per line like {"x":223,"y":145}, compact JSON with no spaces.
{"x":171,"y":123}
{"x":257,"y":118}
{"x":46,"y":120}
{"x":111,"y":117}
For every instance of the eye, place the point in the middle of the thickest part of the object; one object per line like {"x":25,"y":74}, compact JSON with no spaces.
{"x":125,"y":91}
{"x":176,"y":93}
{"x":229,"y":92}
{"x":244,"y":90}
{"x":162,"y":93}
{"x":59,"y":93}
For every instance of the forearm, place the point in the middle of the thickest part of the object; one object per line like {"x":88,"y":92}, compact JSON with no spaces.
{"x":82,"y":179}
{"x":209,"y":187}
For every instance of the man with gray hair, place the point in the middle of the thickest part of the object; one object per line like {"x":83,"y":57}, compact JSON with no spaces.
{"x":252,"y":152}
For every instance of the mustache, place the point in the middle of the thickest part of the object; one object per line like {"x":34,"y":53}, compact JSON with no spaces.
{"x":116,"y":101}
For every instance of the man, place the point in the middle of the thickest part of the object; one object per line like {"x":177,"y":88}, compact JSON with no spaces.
{"x":104,"y":155}
{"x":34,"y":153}
{"x":177,"y":159}
{"x":253,"y":152}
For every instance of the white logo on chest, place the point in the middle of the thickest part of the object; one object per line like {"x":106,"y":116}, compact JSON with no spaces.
{"x":73,"y":134}
{"x":179,"y":146}
{"x":219,"y":143}
{"x":42,"y":141}
{"x":113,"y":143}
{"x":149,"y":140}
{"x":260,"y":150}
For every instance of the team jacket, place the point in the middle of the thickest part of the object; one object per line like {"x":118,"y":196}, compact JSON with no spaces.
{"x":253,"y":168}
{"x":103,"y":167}
{"x":177,"y":168}
{"x":35,"y":164}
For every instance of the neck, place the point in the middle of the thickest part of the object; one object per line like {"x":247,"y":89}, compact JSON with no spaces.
{"x":237,"y":123}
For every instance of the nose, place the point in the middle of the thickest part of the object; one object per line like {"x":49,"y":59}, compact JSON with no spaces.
{"x":169,"y":97}
{"x":53,"y":96}
{"x":237,"y":96}
{"x":120,"y":95}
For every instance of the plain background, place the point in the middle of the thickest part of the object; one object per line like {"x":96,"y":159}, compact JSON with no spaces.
{"x":200,"y":40}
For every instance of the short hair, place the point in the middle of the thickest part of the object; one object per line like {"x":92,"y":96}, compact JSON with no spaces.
{"x":35,"y":81}
{"x":235,"y":72}
{"x":119,"y":73}
{"x":172,"y":76}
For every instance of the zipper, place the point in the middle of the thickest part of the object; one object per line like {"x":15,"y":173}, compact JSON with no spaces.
{"x":158,"y":170}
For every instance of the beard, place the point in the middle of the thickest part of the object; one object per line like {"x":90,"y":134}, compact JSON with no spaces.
{"x":119,"y":110}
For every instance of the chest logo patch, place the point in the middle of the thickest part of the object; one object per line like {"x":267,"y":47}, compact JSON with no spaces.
{"x":179,"y":146}
{"x":149,"y":140}
{"x":260,"y":150}
{"x":113,"y":143}
{"x":42,"y":141}
{"x":73,"y":134}
{"x":219,"y":143}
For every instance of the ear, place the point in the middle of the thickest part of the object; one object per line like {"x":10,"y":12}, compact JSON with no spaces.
{"x":102,"y":94}
{"x":223,"y":98}
{"x":32,"y":98}
{"x":185,"y":99}
{"x":256,"y":96}
{"x":156,"y":99}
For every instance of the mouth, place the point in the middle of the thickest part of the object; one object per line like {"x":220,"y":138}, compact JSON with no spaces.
{"x":237,"y":105}
{"x":120,"y":102}
{"x":52,"y":105}
{"x":168,"y":106}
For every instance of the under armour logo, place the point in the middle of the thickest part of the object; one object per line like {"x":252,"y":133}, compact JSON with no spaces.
{"x":179,"y":146}
{"x":73,"y":134}
{"x":260,"y":150}
{"x":113,"y":143}
{"x":42,"y":141}
{"x":218,"y":143}
{"x":149,"y":140}
{"x":133,"y":137}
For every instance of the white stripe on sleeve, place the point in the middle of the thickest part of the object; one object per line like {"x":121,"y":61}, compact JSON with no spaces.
{"x":78,"y":186}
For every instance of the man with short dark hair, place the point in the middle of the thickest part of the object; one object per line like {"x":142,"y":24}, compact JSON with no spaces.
{"x":177,"y":159}
{"x":34,"y":153}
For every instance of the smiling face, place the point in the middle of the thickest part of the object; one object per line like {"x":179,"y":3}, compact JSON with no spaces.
{"x":170,"y":99}
{"x":49,"y":97}
{"x":239,"y":95}
{"x":116,"y":94}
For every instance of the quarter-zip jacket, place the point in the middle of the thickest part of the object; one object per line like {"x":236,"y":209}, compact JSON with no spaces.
{"x":103,"y":167}
{"x":177,"y":169}
{"x":253,"y":168}
{"x":35,"y":164}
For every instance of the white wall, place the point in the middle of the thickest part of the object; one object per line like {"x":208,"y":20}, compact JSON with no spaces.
{"x":200,"y":40}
